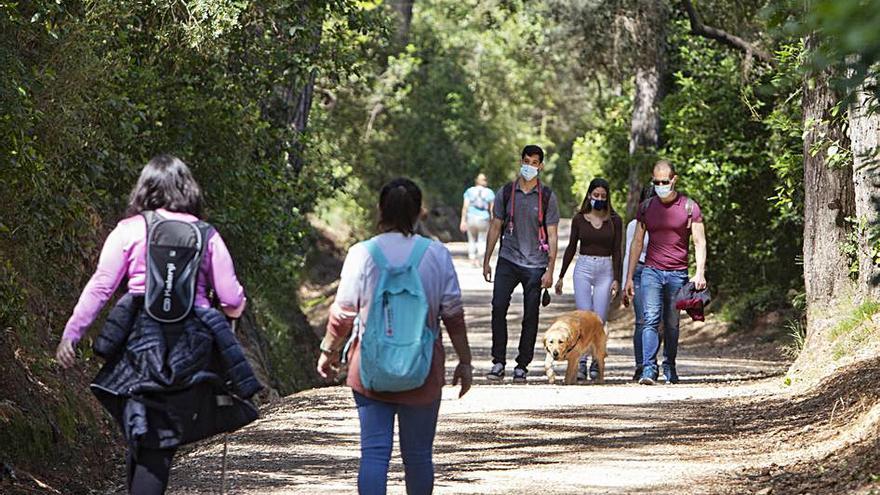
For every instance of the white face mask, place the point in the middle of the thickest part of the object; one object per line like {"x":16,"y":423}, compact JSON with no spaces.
{"x":663,"y":191}
{"x":528,"y":172}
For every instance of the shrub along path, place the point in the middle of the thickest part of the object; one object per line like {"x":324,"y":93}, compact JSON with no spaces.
{"x":725,"y":428}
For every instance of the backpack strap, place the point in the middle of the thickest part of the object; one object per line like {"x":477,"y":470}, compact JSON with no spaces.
{"x":376,"y":253}
{"x":151,"y":218}
{"x":418,"y":252}
{"x":545,"y":204}
{"x":506,"y":192}
{"x":206,"y":230}
{"x":689,"y":208}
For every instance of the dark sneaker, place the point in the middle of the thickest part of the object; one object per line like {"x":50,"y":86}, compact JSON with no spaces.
{"x":670,"y":374}
{"x":649,"y":376}
{"x":582,"y":371}
{"x":594,"y":370}
{"x":637,"y":374}
{"x":519,"y":375}
{"x":497,"y":373}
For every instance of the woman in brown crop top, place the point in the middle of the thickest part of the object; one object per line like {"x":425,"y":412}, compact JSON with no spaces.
{"x":599,"y":230}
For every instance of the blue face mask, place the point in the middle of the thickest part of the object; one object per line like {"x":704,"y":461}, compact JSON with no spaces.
{"x":663,"y":191}
{"x":598,"y":204}
{"x":528,"y":172}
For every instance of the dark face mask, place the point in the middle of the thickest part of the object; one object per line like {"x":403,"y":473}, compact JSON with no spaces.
{"x":598,"y":204}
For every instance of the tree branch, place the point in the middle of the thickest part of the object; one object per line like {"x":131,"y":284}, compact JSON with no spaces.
{"x":731,"y":40}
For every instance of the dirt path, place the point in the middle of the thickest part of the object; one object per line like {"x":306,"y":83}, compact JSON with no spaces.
{"x":500,"y":438}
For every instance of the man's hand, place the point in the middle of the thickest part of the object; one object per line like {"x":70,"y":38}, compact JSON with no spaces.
{"x":463,"y":227}
{"x":630,"y":289}
{"x":559,"y":287}
{"x":487,"y":271}
{"x":328,"y":365}
{"x":625,"y":301}
{"x":66,"y":353}
{"x":547,"y":280}
{"x":463,"y":374}
{"x":699,"y":281}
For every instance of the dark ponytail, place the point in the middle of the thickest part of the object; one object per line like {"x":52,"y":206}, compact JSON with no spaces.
{"x":400,"y":204}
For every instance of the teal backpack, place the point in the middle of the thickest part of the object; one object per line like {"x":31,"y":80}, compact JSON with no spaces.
{"x":397,"y":345}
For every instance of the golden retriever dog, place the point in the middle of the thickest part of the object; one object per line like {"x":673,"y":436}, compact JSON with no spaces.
{"x":569,"y":337}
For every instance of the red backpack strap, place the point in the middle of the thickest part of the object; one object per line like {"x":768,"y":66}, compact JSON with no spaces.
{"x":542,"y":228}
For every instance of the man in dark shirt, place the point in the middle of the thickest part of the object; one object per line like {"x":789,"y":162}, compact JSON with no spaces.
{"x":526,"y":217}
{"x":669,"y":219}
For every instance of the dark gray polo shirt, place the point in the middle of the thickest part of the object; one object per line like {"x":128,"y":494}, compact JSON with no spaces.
{"x":522,"y":247}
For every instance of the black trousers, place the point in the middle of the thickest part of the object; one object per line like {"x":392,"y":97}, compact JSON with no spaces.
{"x":148,"y":471}
{"x":507,"y":276}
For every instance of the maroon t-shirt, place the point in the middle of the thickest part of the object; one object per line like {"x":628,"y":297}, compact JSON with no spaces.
{"x":668,"y":234}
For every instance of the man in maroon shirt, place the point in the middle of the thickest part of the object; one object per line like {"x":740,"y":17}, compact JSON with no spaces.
{"x":669,"y":219}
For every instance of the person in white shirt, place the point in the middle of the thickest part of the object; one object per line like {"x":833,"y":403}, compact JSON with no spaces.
{"x":637,"y":300}
{"x":475,"y":216}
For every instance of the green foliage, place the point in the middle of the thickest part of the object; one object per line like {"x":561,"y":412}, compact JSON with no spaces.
{"x":477,"y":81}
{"x":855,"y":330}
{"x":847,"y":29}
{"x":603,"y":152}
{"x":91,"y":90}
{"x":797,"y":334}
{"x":741,"y":309}
{"x":859,"y":315}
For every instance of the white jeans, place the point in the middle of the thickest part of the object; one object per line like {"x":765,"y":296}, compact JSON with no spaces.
{"x":593,"y":276}
{"x":476,"y":234}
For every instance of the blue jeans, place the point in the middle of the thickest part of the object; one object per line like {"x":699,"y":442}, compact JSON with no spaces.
{"x":658,"y":290}
{"x":638,"y":303}
{"x":416,"y":425}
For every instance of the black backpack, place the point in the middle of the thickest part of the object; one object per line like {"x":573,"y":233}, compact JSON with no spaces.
{"x":174,"y":254}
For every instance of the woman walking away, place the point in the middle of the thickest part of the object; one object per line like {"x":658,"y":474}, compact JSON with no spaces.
{"x":638,"y":303}
{"x":475,"y":217}
{"x":402,"y":285}
{"x":158,"y":348}
{"x":598,"y":229}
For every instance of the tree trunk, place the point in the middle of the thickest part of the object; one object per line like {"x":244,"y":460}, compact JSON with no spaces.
{"x":298,"y":98}
{"x":644,"y":136}
{"x":864,"y":135}
{"x":828,"y":197}
{"x":298,"y":119}
{"x":404,"y":9}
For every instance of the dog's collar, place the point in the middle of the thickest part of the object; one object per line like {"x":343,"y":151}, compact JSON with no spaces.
{"x":570,"y":349}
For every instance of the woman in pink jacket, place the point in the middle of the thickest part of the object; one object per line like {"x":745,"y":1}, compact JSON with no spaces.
{"x":166,"y":186}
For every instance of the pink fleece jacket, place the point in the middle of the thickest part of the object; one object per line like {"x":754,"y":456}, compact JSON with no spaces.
{"x":124,"y":253}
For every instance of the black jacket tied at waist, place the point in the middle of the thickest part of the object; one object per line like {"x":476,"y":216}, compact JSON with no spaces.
{"x":171,"y":384}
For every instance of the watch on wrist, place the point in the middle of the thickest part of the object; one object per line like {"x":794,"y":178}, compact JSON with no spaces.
{"x":326,"y":349}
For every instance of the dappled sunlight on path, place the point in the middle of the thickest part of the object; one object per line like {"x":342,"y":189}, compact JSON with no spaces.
{"x":505,"y":438}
